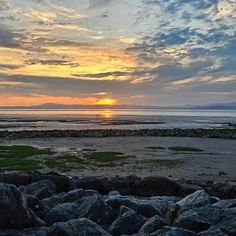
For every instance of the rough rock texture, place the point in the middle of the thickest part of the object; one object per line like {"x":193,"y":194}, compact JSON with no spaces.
{"x":79,"y":227}
{"x":42,"y":231}
{"x":36,"y":206}
{"x":25,"y":178}
{"x":152,"y":225}
{"x":157,"y":186}
{"x":128,"y":222}
{"x":14,"y":213}
{"x":223,"y":190}
{"x":41,"y":189}
{"x":198,"y":199}
{"x":147,"y":207}
{"x":173,"y":231}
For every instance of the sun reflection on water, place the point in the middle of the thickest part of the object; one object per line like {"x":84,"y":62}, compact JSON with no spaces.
{"x":107,"y":114}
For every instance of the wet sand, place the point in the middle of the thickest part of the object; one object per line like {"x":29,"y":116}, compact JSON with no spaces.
{"x":216,"y":162}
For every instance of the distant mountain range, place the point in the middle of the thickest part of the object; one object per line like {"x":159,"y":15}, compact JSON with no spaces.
{"x":223,"y":106}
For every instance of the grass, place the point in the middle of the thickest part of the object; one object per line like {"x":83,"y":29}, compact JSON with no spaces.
{"x":185,"y":149}
{"x":14,"y":157}
{"x":155,"y":148}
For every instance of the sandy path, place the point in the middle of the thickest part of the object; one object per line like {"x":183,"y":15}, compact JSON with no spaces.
{"x":219,"y":155}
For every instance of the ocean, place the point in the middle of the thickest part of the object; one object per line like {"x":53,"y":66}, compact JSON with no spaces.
{"x":14,"y":120}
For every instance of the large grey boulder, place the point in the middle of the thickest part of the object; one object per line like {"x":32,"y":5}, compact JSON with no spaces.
{"x":151,"y":225}
{"x":41,"y":189}
{"x":42,"y":231}
{"x":223,"y":190}
{"x":94,"y":208}
{"x":91,"y":207}
{"x":128,"y":222}
{"x":213,"y":231}
{"x":36,"y":206}
{"x":14,"y":213}
{"x":76,"y":194}
{"x":147,"y":207}
{"x":53,"y":200}
{"x":156,"y":186}
{"x":62,"y":213}
{"x":199,"y":219}
{"x":173,"y":231}
{"x":78,"y":227}
{"x":197,"y":199}
{"x":230,"y":203}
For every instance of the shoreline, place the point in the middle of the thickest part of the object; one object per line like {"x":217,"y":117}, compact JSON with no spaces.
{"x":97,"y":133}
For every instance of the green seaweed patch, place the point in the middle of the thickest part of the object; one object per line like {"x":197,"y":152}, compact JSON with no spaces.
{"x":185,"y":149}
{"x":155,"y":148}
{"x":105,"y":156}
{"x":15,"y":157}
{"x":20,"y":151}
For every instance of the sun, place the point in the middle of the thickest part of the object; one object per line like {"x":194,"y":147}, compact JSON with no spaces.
{"x":106,"y":101}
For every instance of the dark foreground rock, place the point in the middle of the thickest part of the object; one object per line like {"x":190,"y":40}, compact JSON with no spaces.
{"x":14,"y":213}
{"x":160,"y":207}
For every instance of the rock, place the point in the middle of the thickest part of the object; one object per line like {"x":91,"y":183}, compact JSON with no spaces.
{"x":223,"y":190}
{"x":36,"y":206}
{"x":171,"y":213}
{"x":62,"y":213}
{"x":94,"y":208}
{"x":42,"y":231}
{"x":76,"y":194}
{"x":53,"y":200}
{"x":173,"y":231}
{"x":16,"y":178}
{"x":14,"y":213}
{"x":147,"y":207}
{"x":61,"y":182}
{"x":20,"y":178}
{"x":91,"y":207}
{"x":231,"y":203}
{"x":151,"y":225}
{"x":88,"y":183}
{"x":199,"y":219}
{"x":128,"y":222}
{"x":78,"y":227}
{"x":190,"y":188}
{"x":41,"y":189}
{"x":197,"y":199}
{"x":213,"y":231}
{"x":157,"y":186}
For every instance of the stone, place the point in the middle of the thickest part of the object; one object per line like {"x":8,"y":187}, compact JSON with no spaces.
{"x":42,"y":231}
{"x":14,"y":213}
{"x":173,"y":231}
{"x":199,"y":219}
{"x":62,"y":213}
{"x":42,"y":189}
{"x":78,"y":227}
{"x":223,"y":190}
{"x":53,"y":200}
{"x":36,"y":206}
{"x":94,"y":208}
{"x":147,"y":207}
{"x":128,"y":222}
{"x":157,"y":186}
{"x":197,"y":199}
{"x":152,"y":225}
{"x":76,"y":194}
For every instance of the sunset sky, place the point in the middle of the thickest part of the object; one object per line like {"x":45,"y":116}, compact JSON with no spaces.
{"x":156,"y":52}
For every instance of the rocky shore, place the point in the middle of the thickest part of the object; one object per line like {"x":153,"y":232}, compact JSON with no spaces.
{"x":55,"y":205}
{"x":197,"y":133}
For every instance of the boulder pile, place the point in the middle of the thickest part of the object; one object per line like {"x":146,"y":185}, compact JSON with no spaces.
{"x":54,"y":205}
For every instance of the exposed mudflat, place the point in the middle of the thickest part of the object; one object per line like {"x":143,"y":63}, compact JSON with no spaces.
{"x":217,"y":161}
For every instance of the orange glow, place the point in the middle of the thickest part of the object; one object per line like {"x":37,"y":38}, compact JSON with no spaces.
{"x":106,"y":101}
{"x":42,"y":99}
{"x":107,"y":114}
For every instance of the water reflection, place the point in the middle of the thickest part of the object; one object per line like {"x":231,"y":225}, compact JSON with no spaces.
{"x":107,"y":114}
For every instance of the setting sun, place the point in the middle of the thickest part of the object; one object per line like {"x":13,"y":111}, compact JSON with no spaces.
{"x":106,"y":101}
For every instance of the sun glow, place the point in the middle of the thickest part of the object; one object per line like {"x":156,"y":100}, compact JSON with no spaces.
{"x":106,"y":101}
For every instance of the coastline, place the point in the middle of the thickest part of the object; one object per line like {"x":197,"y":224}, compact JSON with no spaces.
{"x":229,"y":133}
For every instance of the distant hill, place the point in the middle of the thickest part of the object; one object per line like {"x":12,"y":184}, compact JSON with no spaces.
{"x":221,"y":106}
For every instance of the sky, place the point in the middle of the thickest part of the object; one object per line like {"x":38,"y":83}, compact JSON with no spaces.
{"x":149,"y":52}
